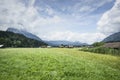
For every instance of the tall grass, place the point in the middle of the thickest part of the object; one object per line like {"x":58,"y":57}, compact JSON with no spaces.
{"x":57,"y":64}
{"x":102,"y":50}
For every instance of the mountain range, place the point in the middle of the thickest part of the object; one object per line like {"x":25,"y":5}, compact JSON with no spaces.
{"x":113,"y":38}
{"x":23,"y":32}
{"x":10,"y":39}
{"x":50,"y":43}
{"x":58,"y":43}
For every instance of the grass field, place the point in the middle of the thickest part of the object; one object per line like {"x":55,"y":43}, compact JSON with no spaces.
{"x":57,"y":64}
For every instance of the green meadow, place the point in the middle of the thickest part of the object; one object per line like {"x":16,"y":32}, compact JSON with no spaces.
{"x":57,"y":64}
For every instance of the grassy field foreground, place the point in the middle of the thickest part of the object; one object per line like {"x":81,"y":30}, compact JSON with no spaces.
{"x":57,"y":64}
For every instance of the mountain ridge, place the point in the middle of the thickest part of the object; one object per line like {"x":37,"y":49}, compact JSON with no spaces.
{"x":59,"y":42}
{"x":10,"y":39}
{"x":50,"y":43}
{"x":23,"y":32}
{"x":113,"y":38}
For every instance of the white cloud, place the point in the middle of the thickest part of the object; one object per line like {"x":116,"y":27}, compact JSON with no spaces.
{"x":88,"y":6}
{"x":74,"y":36}
{"x":31,"y":2}
{"x":14,"y":13}
{"x":110,"y":21}
{"x":10,"y":12}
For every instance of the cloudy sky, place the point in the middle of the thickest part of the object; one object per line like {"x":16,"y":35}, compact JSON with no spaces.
{"x":73,"y":20}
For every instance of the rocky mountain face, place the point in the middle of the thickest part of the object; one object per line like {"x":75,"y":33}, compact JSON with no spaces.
{"x":10,"y":39}
{"x":113,"y":38}
{"x":23,"y":32}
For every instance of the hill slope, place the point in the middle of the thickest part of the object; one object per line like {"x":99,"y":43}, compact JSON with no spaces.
{"x":25,"y":33}
{"x":10,"y":39}
{"x":113,"y":38}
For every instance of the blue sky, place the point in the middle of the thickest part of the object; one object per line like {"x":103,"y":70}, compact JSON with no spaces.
{"x":73,"y":20}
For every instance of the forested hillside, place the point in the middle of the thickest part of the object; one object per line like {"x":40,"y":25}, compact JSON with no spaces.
{"x":10,"y":39}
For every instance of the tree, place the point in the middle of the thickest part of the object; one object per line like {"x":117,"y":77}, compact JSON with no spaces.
{"x":97,"y":44}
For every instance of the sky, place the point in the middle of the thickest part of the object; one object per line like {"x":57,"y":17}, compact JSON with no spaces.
{"x":87,"y":21}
